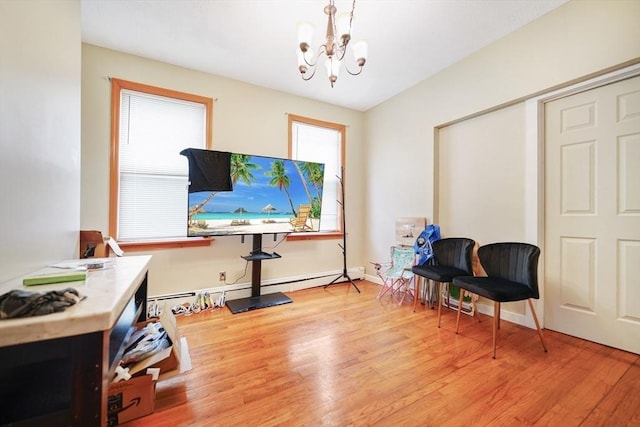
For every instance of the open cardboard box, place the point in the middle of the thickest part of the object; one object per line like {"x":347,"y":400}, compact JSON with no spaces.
{"x":93,"y":245}
{"x":135,"y":397}
{"x":167,"y":360}
{"x":131,"y":399}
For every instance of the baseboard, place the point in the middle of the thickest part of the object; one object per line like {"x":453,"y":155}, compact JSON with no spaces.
{"x":482,"y":308}
{"x":243,"y":290}
{"x":509,"y":316}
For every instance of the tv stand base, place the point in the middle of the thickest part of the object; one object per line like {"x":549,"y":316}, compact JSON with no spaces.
{"x":253,"y":303}
{"x":256,"y":300}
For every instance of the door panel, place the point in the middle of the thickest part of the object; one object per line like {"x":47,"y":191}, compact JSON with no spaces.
{"x":592,"y":215}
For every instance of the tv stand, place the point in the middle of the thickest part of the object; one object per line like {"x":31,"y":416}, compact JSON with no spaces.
{"x":256,"y":300}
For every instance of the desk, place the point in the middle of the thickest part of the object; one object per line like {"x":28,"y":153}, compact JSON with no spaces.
{"x":56,"y":368}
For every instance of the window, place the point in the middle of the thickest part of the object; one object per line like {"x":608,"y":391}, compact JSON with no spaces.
{"x":323,"y":142}
{"x":149,"y":177}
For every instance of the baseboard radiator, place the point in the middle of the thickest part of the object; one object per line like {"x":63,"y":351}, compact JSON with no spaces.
{"x":243,"y":290}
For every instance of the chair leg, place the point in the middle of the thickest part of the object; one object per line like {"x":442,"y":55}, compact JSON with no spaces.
{"x":448,"y":294}
{"x":395,"y":287}
{"x":404,"y":288}
{"x":459,"y":309}
{"x":383,"y":290}
{"x":419,"y":284}
{"x":535,"y":319}
{"x":496,"y":321}
{"x":439,"y":300}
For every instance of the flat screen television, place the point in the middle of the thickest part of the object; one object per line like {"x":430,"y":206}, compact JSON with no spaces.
{"x":269,"y":195}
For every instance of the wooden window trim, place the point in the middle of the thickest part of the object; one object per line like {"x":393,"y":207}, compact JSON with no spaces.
{"x":116,"y":86}
{"x":342,"y":129}
{"x":320,"y":235}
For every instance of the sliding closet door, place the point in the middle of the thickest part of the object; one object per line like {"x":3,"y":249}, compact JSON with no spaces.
{"x":481,"y":182}
{"x":481,"y":177}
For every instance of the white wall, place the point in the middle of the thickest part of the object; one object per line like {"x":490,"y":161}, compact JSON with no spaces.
{"x":573,"y":41}
{"x":481,"y":174}
{"x":39,"y":134}
{"x":247,"y":119}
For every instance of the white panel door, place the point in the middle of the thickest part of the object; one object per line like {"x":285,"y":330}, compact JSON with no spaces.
{"x":592,"y":215}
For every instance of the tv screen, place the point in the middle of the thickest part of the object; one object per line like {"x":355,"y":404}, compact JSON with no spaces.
{"x":269,"y":195}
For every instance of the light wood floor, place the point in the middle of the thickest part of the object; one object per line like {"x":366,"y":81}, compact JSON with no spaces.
{"x":338,"y":358}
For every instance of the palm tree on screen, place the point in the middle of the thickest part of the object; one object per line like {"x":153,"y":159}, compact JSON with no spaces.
{"x":193,"y":210}
{"x":314,"y":173}
{"x":299,"y":168}
{"x":280,"y":179}
{"x":241,"y":168}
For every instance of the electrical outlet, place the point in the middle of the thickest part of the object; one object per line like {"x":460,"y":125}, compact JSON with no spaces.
{"x":223,"y":276}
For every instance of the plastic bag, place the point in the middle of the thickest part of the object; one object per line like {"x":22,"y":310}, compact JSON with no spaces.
{"x":422,"y":246}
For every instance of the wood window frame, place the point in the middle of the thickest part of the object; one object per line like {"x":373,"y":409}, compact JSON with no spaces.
{"x":342,"y":129}
{"x":117,"y":85}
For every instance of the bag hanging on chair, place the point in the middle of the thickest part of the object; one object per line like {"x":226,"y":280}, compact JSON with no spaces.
{"x":422,"y":246}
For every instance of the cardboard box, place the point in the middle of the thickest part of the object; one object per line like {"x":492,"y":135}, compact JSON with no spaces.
{"x":168,"y":359}
{"x":130,"y":399}
{"x":92,"y":245}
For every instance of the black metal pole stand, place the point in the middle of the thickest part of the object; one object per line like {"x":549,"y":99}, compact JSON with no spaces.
{"x":343,"y":246}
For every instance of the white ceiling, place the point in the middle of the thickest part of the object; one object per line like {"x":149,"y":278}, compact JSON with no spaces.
{"x":254,"y":41}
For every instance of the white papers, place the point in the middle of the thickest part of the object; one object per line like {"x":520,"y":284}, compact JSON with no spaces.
{"x":115,"y":247}
{"x":85,"y":264}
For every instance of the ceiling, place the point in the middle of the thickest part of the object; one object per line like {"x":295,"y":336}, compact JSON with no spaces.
{"x":254,"y":41}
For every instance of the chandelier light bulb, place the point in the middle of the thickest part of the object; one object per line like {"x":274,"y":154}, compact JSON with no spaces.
{"x":302,"y":65}
{"x":360,"y":50}
{"x":333,"y":69}
{"x":344,"y":29}
{"x":305,"y":35}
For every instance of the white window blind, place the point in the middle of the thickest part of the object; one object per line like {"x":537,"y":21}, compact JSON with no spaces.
{"x":322,"y":145}
{"x":153,"y":175}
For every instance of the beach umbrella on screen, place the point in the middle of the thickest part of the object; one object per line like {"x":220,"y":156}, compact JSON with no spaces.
{"x":241,"y":211}
{"x":269,"y":208}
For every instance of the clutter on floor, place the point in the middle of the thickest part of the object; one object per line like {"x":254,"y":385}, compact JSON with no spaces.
{"x":154,"y":351}
{"x":202,"y":301}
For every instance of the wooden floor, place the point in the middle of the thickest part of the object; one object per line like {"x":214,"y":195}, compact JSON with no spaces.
{"x":338,"y":358}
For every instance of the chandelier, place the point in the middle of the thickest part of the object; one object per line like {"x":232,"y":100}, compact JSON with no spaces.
{"x":334,"y":47}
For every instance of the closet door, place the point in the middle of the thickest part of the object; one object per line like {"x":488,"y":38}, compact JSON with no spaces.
{"x":592,"y":215}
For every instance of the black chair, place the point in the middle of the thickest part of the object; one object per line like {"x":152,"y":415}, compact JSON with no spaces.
{"x":512,"y":275}
{"x":452,"y":257}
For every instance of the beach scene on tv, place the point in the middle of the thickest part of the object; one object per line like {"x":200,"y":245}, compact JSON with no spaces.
{"x":270,"y":195}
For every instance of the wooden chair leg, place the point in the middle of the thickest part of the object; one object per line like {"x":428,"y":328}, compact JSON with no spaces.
{"x":459,"y":309}
{"x":535,"y":319}
{"x":496,"y":321}
{"x":418,"y":282}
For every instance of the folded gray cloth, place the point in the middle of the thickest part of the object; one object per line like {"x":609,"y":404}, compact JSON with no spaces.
{"x":20,"y":303}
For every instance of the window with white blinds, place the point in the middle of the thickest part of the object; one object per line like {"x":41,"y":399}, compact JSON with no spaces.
{"x":153,"y":176}
{"x":317,"y":143}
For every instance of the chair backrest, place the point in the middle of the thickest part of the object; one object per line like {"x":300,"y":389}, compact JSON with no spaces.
{"x":455,"y":252}
{"x":303,"y":215}
{"x":402,"y":257}
{"x":517,"y":262}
